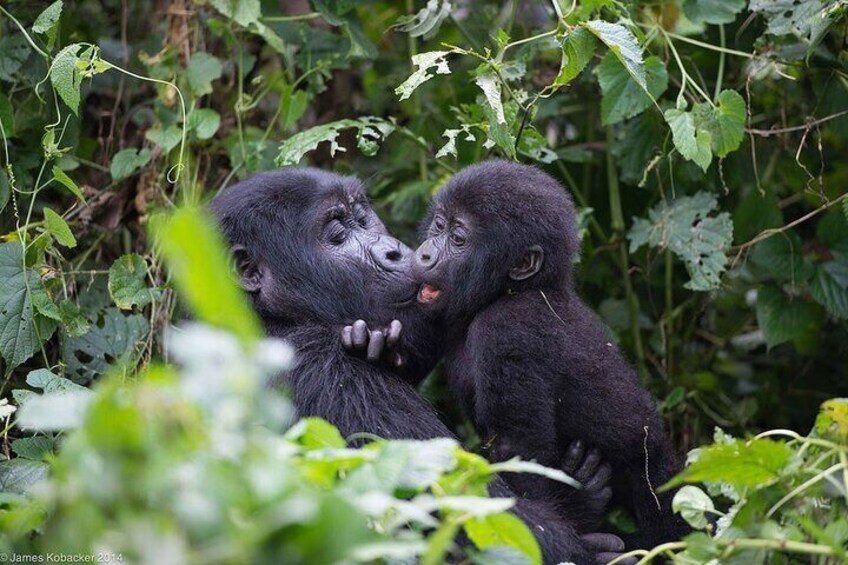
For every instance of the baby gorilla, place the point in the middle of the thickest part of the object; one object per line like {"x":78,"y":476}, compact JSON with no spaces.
{"x":530,"y":363}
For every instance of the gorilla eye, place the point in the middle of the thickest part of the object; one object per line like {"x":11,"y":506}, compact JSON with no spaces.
{"x":336,"y":233}
{"x":439,"y":223}
{"x":457,"y":239}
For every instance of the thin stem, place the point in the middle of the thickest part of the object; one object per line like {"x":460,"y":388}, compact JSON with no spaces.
{"x":709,"y":46}
{"x":297,"y":18}
{"x":617,"y":220}
{"x":721,"y":57}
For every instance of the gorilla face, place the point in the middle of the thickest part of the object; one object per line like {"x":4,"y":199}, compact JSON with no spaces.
{"x":309,"y":247}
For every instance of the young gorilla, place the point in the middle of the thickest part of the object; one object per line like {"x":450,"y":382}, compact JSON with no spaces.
{"x":531,"y":364}
{"x":313,"y":256}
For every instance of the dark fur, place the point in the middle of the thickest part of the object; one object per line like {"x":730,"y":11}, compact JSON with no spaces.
{"x":531,"y":364}
{"x":310,"y":290}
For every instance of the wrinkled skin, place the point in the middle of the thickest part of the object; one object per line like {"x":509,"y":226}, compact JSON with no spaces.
{"x":530,"y":363}
{"x":314,"y":257}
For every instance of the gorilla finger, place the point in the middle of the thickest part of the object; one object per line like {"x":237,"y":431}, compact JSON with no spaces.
{"x":590,"y":464}
{"x":360,"y":334}
{"x":600,"y":478}
{"x":573,"y":456}
{"x":347,"y":337}
{"x":603,"y":542}
{"x":604,"y":558}
{"x":604,"y":496}
{"x":393,"y":333}
{"x":398,"y":361}
{"x":375,"y":346}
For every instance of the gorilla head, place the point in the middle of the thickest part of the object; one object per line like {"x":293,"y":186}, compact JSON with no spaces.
{"x":495,"y":227}
{"x":309,"y":247}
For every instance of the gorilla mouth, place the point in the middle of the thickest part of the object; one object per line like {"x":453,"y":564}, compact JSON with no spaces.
{"x":428,"y":294}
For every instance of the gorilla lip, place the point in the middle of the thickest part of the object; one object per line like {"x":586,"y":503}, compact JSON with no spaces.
{"x":428,"y":294}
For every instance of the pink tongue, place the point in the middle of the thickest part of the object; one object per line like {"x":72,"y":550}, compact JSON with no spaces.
{"x":429,"y":294}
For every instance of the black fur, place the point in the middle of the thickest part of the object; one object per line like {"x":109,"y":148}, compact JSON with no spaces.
{"x":306,"y":285}
{"x":531,"y":364}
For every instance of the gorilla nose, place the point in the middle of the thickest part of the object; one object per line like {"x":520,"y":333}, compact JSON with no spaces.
{"x":426,"y":255}
{"x":390,"y":253}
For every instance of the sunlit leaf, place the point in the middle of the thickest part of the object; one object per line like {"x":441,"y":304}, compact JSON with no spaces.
{"x":739,"y":463}
{"x":623,"y":45}
{"x":503,"y":529}
{"x":424,"y":62}
{"x":578,"y":47}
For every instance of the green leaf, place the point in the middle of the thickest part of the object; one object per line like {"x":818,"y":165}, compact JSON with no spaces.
{"x":518,"y":466}
{"x":244,"y":12}
{"x":20,"y":475}
{"x":738,"y":463}
{"x":686,"y":227}
{"x":427,"y":20}
{"x":622,"y":97}
{"x":692,"y":144}
{"x":785,"y":17}
{"x":7,"y":116}
{"x":14,"y":50}
{"x":74,"y":323}
{"x":694,"y":506}
{"x":830,"y":287}
{"x":47,"y":21}
{"x":781,"y":257}
{"x":578,"y":47}
{"x":491,"y":87}
{"x":34,"y":448}
{"x":503,"y":529}
{"x":62,"y":178}
{"x":782,"y":318}
{"x":166,"y":138}
{"x":712,"y":11}
{"x":112,"y":338}
{"x":198,"y":259}
{"x":127,"y":161}
{"x":623,"y":45}
{"x":315,"y":433}
{"x":58,"y":228}
{"x":128,"y":282}
{"x":424,"y":62}
{"x":726,"y":122}
{"x":65,"y":76}
{"x":21,"y":329}
{"x":370,"y":131}
{"x":202,"y":69}
{"x":204,"y":122}
{"x":50,"y":382}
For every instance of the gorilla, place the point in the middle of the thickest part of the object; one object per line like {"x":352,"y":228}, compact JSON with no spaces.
{"x":313,"y":256}
{"x":530,"y":363}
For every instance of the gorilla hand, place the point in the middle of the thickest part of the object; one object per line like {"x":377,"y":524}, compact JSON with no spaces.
{"x":588,"y":467}
{"x":377,"y":345}
{"x":606,"y":547}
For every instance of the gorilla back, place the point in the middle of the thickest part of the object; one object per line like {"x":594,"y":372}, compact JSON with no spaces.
{"x":313,"y":256}
{"x":529,"y":361}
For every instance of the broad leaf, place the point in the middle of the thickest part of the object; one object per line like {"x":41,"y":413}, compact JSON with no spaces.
{"x":694,"y":506}
{"x":694,"y":145}
{"x":686,"y":227}
{"x":112,"y":337}
{"x":578,"y":47}
{"x":785,"y":17}
{"x":491,"y":88}
{"x":243,"y":12}
{"x":712,"y":11}
{"x":22,"y":329}
{"x":47,"y":21}
{"x":127,"y":161}
{"x":65,"y":76}
{"x":370,"y":132}
{"x":204,"y":122}
{"x":424,"y":62}
{"x":20,"y":475}
{"x":202,"y":69}
{"x":427,"y":20}
{"x":781,"y":257}
{"x":739,"y":463}
{"x":63,"y":179}
{"x":830,"y":286}
{"x":128,"y":282}
{"x":623,"y":45}
{"x":623,"y":97}
{"x":783,"y":318}
{"x":166,"y":138}
{"x":58,"y":228}
{"x":14,"y":50}
{"x":726,"y":122}
{"x":503,"y":529}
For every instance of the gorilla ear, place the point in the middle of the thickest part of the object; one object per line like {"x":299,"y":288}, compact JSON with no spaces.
{"x":249,"y":271}
{"x":529,"y":265}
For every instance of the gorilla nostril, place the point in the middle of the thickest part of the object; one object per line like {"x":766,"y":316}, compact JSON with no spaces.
{"x":393,"y":255}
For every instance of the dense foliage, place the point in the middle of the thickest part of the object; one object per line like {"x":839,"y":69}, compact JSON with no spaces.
{"x":703,"y":140}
